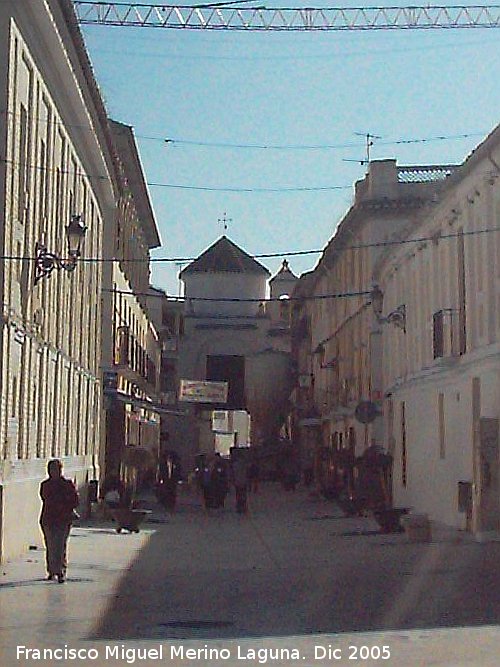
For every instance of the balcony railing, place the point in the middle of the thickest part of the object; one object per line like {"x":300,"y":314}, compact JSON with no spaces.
{"x":130,"y":353}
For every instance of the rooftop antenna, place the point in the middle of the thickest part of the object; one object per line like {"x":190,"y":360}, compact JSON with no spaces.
{"x":369,"y":141}
{"x":225,"y":220}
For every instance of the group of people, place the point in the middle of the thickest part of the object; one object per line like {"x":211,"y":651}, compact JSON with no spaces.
{"x":60,"y":498}
{"x":214,"y":480}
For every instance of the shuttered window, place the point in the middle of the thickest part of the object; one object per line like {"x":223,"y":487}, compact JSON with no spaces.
{"x":438,"y":334}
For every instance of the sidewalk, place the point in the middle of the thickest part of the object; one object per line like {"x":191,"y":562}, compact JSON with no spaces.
{"x":39,"y":613}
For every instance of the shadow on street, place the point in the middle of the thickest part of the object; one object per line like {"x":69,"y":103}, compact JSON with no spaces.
{"x":282,"y":571}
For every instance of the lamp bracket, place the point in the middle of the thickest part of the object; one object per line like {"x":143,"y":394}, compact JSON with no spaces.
{"x":46,"y":262}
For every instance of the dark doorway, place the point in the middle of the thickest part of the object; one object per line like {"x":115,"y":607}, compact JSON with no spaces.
{"x":231,"y":369}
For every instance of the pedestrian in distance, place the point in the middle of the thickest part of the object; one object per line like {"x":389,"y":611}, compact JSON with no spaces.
{"x":166,"y":491}
{"x":111,"y":496}
{"x":253,"y":477}
{"x":207,"y":487}
{"x":218,"y":481}
{"x":240,"y":481}
{"x":60,"y":499}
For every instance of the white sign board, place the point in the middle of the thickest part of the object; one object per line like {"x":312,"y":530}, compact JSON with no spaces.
{"x":223,"y":443}
{"x":220,"y":421}
{"x":203,"y":391}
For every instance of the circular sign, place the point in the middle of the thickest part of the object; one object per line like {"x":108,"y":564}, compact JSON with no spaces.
{"x":366,"y":412}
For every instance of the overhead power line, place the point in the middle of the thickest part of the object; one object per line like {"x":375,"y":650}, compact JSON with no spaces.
{"x":255,"y":145}
{"x":241,"y":189}
{"x":315,"y":147}
{"x":315,"y":297}
{"x":204,"y":188}
{"x":288,"y":253}
{"x":261,"y":18}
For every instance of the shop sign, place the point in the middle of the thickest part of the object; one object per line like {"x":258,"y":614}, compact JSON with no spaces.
{"x":203,"y":391}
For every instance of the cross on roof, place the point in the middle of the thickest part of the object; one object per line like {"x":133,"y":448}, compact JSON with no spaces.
{"x":225,"y":221}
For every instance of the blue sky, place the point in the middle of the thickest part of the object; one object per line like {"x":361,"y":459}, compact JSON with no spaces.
{"x":286,"y":89}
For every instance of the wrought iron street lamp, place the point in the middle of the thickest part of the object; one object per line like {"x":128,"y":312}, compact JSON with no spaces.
{"x":397,"y":317}
{"x":46,"y":262}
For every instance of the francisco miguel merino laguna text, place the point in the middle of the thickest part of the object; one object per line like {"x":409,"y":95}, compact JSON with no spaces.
{"x":130,"y":655}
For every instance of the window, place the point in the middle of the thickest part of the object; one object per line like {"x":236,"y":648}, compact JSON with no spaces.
{"x":335,"y":441}
{"x":438,"y":334}
{"x":169,"y":320}
{"x":13,"y":410}
{"x":40,"y":408}
{"x":22,"y":162}
{"x":43,"y":180}
{"x":284,"y":308}
{"x":404,"y":471}
{"x":441,"y":427}
{"x":462,"y":321}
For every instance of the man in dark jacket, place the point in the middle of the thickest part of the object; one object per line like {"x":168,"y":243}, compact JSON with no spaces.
{"x":219,"y":481}
{"x":240,"y":480}
{"x":60,"y":499}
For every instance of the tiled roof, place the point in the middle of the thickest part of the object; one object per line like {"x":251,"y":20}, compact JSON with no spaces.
{"x":224,"y":256}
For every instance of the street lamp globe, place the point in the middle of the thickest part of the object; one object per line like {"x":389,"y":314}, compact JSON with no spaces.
{"x":75,"y":232}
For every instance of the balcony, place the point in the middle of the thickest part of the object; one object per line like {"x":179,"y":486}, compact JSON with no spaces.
{"x":133,"y":360}
{"x":448,"y":337}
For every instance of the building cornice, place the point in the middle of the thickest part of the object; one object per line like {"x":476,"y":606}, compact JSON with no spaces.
{"x":69,"y":15}
{"x":446,"y":368}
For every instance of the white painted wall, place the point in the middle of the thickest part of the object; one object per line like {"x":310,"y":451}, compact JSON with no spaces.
{"x":225,"y":286}
{"x":51,"y":343}
{"x":424,"y":276}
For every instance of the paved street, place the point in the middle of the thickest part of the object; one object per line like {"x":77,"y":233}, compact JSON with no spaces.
{"x":293,"y":573}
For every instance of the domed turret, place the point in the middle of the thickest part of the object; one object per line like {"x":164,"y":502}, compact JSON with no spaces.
{"x":281,"y":287}
{"x":225,"y":271}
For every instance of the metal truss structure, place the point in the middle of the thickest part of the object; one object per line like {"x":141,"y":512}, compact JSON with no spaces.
{"x":219,"y":16}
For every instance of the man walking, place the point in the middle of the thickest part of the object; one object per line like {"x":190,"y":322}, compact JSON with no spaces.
{"x":59,"y":499}
{"x":240,"y":480}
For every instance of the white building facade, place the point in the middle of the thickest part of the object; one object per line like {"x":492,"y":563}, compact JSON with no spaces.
{"x":336,"y":323}
{"x":442,"y":370}
{"x":232,"y":333}
{"x":57,"y":164}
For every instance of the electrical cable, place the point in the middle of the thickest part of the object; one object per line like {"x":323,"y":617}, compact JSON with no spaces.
{"x":366,"y":53}
{"x":270,"y":255}
{"x":183,"y":187}
{"x":265,"y":146}
{"x":284,"y":189}
{"x":182,"y":299}
{"x":313,"y":147}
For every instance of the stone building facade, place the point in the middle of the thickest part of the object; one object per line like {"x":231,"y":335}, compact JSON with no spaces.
{"x":414,"y":330}
{"x":131,"y":346}
{"x":336,"y":318}
{"x":233,"y":333}
{"x":57,"y":163}
{"x":441,"y":371}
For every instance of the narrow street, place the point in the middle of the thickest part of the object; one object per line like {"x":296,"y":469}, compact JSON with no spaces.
{"x":293,"y":566}
{"x":291,"y":570}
